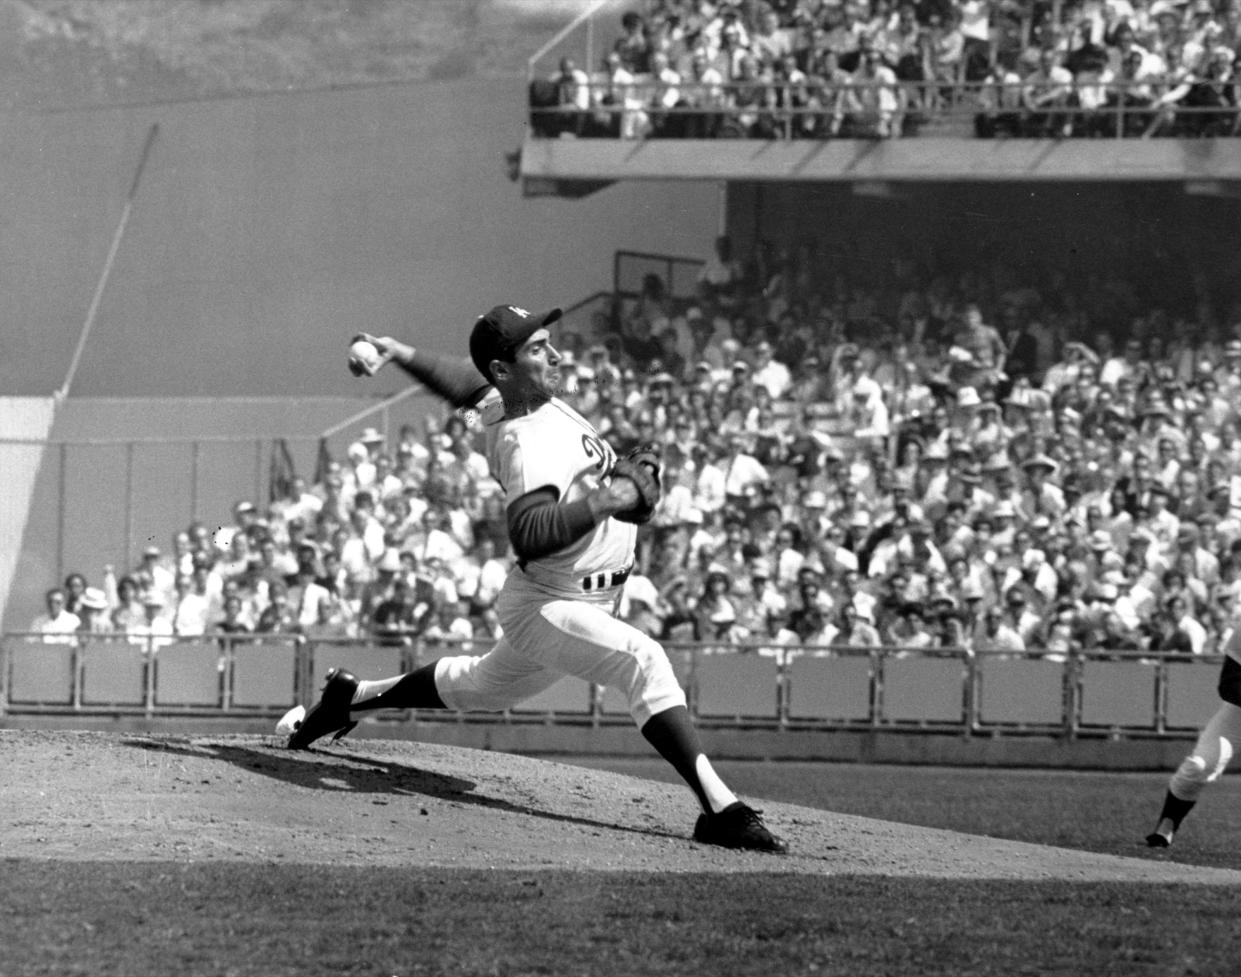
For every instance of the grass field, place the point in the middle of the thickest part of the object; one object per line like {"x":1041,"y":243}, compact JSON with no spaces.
{"x":106,"y":874}
{"x":1101,"y":812}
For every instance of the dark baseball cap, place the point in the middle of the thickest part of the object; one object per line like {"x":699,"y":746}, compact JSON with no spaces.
{"x":501,"y":332}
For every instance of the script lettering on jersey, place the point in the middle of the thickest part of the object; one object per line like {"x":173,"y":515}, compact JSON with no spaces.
{"x":599,"y":449}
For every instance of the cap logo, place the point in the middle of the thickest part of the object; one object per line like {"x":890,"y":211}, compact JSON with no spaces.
{"x":518,"y":311}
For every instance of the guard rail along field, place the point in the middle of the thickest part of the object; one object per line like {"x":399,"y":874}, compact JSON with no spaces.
{"x":1133,"y":695}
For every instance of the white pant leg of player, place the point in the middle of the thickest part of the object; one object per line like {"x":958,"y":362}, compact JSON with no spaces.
{"x":1204,"y":765}
{"x":547,"y":639}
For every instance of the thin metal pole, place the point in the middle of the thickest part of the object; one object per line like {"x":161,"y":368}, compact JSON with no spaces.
{"x":129,"y":505}
{"x":373,"y":409}
{"x":119,"y":233}
{"x":194,"y":482}
{"x":260,"y":497}
{"x":61,"y":491}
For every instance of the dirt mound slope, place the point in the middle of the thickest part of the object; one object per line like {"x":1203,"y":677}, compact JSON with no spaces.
{"x":102,"y":796}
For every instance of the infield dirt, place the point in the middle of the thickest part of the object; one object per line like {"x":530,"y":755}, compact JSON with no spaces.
{"x":110,"y":797}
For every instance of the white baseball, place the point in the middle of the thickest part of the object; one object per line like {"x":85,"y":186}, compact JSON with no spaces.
{"x":363,"y":358}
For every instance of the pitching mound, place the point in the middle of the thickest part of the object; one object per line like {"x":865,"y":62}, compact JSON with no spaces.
{"x":102,"y":797}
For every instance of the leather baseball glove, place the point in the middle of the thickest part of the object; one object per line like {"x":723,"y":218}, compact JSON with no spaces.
{"x":640,"y":466}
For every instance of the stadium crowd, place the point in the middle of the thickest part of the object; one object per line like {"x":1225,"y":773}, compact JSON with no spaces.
{"x":821,"y":69}
{"x":974,"y":461}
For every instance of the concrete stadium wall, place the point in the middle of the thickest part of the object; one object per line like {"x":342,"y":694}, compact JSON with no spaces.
{"x":547,"y":739}
{"x":27,"y":421}
{"x":266,"y":230}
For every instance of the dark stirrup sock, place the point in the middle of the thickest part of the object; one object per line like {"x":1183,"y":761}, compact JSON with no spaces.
{"x":675,"y":739}
{"x":414,"y":690}
{"x":1175,"y":809}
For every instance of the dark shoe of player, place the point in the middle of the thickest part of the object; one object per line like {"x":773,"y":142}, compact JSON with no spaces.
{"x":737,"y":826}
{"x":1157,"y":840}
{"x":330,"y":714}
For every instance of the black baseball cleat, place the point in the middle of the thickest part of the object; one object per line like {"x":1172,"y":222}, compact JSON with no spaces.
{"x":1157,"y":840}
{"x":737,"y":826}
{"x":330,"y":714}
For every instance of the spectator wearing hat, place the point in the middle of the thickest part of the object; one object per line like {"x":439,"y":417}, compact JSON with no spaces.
{"x":760,"y":605}
{"x":934,"y":477}
{"x":161,"y":574}
{"x":947,"y":619}
{"x":966,"y":488}
{"x":1041,"y":495}
{"x":155,"y":630}
{"x":245,"y":515}
{"x":1227,"y":528}
{"x":93,"y":612}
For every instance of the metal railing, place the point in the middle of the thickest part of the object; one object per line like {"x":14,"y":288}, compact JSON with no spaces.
{"x":945,"y":690}
{"x":878,"y":109}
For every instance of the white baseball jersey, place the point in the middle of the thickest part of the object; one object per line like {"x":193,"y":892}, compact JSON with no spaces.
{"x":558,"y":611}
{"x":555,"y":446}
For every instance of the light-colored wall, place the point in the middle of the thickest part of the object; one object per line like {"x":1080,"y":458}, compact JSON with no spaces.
{"x":267,"y":229}
{"x":264,"y":232}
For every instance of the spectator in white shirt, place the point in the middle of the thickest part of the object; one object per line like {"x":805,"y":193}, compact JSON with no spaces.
{"x":57,"y":625}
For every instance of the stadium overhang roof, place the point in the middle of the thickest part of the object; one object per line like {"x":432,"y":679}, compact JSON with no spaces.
{"x":575,"y":167}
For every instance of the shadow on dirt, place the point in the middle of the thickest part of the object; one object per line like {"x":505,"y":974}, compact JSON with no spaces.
{"x":363,"y":775}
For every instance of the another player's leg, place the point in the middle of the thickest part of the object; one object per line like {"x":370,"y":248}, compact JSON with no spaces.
{"x":1210,"y":756}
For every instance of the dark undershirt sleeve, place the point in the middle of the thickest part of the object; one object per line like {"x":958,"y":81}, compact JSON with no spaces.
{"x":539,"y":525}
{"x":456,"y":379}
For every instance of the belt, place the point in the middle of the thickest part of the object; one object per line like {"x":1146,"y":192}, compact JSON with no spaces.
{"x":600,"y":581}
